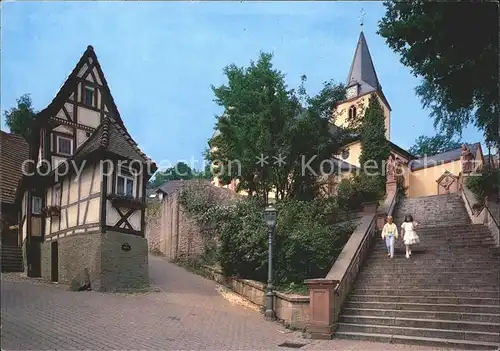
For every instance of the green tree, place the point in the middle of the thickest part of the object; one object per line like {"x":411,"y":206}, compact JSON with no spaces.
{"x":436,"y":144}
{"x":19,"y":119}
{"x":177,"y":172}
{"x":264,"y":119}
{"x":453,"y":46}
{"x":375,"y":147}
{"x":206,"y":173}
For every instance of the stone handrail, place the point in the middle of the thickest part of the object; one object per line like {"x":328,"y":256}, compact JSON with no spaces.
{"x":482,"y":215}
{"x":327,"y":295}
{"x":350,"y":260}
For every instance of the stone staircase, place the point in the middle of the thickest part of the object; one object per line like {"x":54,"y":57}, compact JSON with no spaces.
{"x":447,"y":294}
{"x":12,"y":258}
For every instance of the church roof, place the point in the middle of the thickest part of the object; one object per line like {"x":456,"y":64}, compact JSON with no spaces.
{"x":362,"y":70}
{"x":444,"y":157}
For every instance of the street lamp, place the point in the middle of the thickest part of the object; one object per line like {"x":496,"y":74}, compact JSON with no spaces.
{"x":270,"y":215}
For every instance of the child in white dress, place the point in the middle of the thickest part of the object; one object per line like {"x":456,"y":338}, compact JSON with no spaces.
{"x":410,"y":236}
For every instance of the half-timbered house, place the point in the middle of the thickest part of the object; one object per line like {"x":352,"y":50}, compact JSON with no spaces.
{"x":82,"y":198}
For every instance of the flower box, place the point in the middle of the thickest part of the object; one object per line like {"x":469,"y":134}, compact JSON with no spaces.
{"x":126,"y":202}
{"x":52,"y":211}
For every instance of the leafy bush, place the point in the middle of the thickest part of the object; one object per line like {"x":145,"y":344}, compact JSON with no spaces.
{"x":354,"y":191}
{"x":486,"y":184}
{"x":305,"y":243}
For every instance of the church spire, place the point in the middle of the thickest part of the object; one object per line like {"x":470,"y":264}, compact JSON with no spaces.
{"x":362,"y":69}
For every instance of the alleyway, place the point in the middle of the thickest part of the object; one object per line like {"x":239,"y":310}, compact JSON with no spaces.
{"x":187,"y":314}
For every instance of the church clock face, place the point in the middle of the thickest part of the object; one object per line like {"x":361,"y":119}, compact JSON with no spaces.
{"x":351,"y":91}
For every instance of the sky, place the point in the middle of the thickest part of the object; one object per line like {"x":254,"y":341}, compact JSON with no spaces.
{"x":161,"y":58}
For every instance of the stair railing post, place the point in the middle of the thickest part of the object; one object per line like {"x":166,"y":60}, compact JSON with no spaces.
{"x":321,"y":308}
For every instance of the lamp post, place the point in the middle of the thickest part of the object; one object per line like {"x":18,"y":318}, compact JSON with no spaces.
{"x":270,"y":215}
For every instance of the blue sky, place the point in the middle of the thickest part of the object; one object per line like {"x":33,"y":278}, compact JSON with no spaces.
{"x":161,"y":58}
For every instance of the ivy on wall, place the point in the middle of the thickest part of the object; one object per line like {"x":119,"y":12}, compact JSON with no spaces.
{"x":307,"y":241}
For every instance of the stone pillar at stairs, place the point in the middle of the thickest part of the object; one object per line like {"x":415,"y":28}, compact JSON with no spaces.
{"x":321,"y":308}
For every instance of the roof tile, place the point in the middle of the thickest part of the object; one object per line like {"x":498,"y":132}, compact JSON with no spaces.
{"x":14,"y":151}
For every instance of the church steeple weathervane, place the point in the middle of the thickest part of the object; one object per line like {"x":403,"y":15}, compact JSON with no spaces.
{"x":362,"y":18}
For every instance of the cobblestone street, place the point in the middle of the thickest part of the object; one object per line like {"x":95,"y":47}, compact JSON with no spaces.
{"x":187,"y":314}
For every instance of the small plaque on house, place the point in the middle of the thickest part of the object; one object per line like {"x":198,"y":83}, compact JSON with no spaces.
{"x":126,"y":247}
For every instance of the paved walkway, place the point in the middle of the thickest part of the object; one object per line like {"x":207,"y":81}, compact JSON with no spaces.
{"x":188,"y":313}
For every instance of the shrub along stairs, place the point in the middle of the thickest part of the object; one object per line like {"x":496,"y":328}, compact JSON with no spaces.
{"x":12,"y":258}
{"x":446,"y":294}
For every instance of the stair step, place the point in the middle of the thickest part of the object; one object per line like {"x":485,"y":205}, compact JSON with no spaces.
{"x":440,"y":315}
{"x":493,"y":294}
{"x":400,"y":261}
{"x":416,"y":281}
{"x":428,"y":299}
{"x":410,"y":306}
{"x":445,"y":337}
{"x":447,"y":294}
{"x":369,"y":272}
{"x":432,"y":285}
{"x":422,"y":323}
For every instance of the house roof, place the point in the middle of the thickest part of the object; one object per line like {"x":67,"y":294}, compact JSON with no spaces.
{"x":448,"y":156}
{"x":362,"y":71}
{"x":171,"y":186}
{"x":69,"y":83}
{"x":112,"y":137}
{"x":14,"y":151}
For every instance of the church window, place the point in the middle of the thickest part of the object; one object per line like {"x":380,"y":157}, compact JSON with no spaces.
{"x":352,"y":112}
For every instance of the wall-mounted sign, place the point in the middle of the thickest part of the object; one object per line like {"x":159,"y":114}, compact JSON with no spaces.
{"x":126,"y":247}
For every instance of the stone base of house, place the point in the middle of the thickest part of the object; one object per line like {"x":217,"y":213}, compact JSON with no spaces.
{"x":109,"y":262}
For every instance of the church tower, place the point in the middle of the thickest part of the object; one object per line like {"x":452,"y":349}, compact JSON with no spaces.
{"x":362,"y":81}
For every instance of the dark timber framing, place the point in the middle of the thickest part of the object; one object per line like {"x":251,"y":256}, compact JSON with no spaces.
{"x":67,"y":110}
{"x":104,"y":191}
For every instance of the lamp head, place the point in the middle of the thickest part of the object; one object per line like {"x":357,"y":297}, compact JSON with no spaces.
{"x":270,"y":215}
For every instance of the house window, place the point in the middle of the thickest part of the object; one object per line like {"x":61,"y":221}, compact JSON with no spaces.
{"x":352,"y":112}
{"x":36,"y":205}
{"x":56,"y":195}
{"x":88,"y":96}
{"x":345,"y":153}
{"x":125,"y":183}
{"x":64,"y":145}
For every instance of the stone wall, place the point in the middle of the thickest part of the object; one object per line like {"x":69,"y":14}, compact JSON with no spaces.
{"x":121,"y":269}
{"x":171,"y":232}
{"x":479,"y":214}
{"x":153,"y":230}
{"x":45,"y":258}
{"x":291,"y":309}
{"x":75,"y":254}
{"x":100,"y":258}
{"x":24,"y":249}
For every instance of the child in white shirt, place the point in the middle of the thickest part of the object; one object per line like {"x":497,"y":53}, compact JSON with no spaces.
{"x":389,"y":234}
